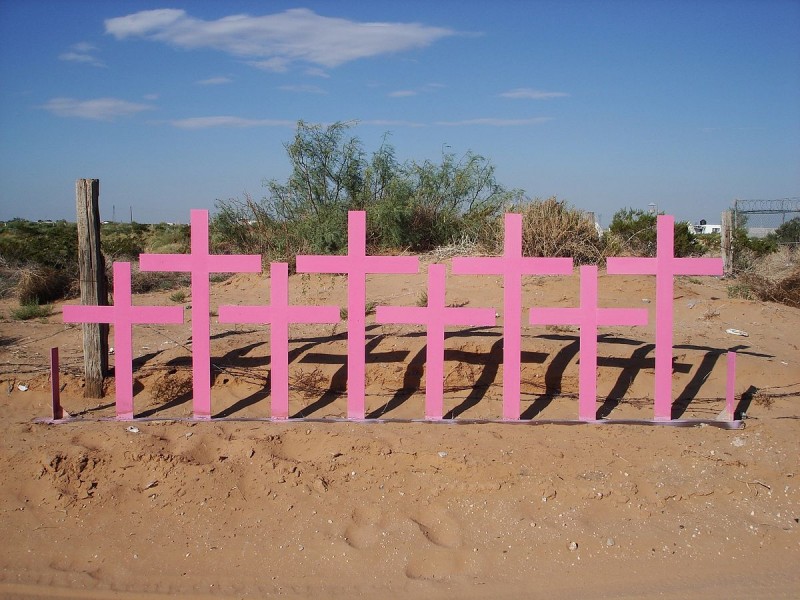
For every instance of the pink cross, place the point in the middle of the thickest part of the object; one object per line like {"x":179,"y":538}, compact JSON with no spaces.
{"x":588,"y":317}
{"x":436,"y":315}
{"x":356,"y":264}
{"x":279,"y":314}
{"x":512,"y":266}
{"x":200,"y":264}
{"x":664,"y":266}
{"x":123,"y":315}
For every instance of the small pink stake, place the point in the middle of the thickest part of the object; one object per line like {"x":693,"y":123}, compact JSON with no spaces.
{"x":664,"y":266}
{"x":356,"y":264}
{"x":588,"y":317}
{"x":123,"y":315}
{"x":279,"y":314}
{"x":730,"y":388}
{"x":512,"y":266}
{"x":55,"y":385}
{"x":435,"y":316}
{"x":201,"y":264}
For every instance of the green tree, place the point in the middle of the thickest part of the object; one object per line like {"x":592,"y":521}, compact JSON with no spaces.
{"x":637,"y":232}
{"x":788,"y":232}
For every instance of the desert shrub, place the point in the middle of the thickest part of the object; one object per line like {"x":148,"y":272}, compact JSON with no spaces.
{"x":42,"y":284}
{"x":788,"y":232}
{"x":785,"y":290}
{"x":31,"y":310}
{"x":552,"y":228}
{"x":166,"y":238}
{"x":143,"y":282}
{"x":636,"y":234}
{"x":412,"y":206}
{"x":51,"y":244}
{"x":740,"y":290}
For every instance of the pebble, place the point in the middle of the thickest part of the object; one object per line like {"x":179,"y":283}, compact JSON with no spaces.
{"x":610,"y":542}
{"x":573,"y":545}
{"x":442,"y":454}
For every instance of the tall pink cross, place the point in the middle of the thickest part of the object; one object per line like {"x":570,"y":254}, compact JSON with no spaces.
{"x":588,"y":317}
{"x":356,"y":264}
{"x":664,"y":266}
{"x":279,"y":314}
{"x":123,"y":315}
{"x":200,"y":264}
{"x":435,"y":316}
{"x":512,"y":266}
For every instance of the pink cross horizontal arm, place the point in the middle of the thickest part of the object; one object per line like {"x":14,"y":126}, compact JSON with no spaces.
{"x":356,"y":264}
{"x":588,"y":317}
{"x":201,"y":264}
{"x":435,"y":316}
{"x":123,"y":315}
{"x":665,"y":267}
{"x":279,"y":314}
{"x":512,"y":266}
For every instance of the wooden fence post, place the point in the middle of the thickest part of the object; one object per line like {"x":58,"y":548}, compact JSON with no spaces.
{"x":726,"y":243}
{"x":94,"y":290}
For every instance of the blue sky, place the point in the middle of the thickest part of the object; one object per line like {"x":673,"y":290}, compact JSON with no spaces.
{"x":606,"y":105}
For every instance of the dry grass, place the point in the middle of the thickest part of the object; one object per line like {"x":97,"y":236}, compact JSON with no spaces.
{"x":37,"y":284}
{"x":551,"y":228}
{"x":774,"y":278}
{"x":310,"y":383}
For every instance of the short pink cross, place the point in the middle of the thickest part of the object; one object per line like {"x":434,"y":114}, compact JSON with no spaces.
{"x":279,"y":314}
{"x":123,"y":315}
{"x":435,"y":316}
{"x":200,"y":264}
{"x":664,"y":266}
{"x":588,"y":317}
{"x":512,"y":266}
{"x":356,"y":264}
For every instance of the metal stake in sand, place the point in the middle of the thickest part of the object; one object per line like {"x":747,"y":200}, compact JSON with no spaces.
{"x":123,"y":315}
{"x":55,"y":385}
{"x":435,"y":316}
{"x":665,"y":267}
{"x":200,"y":264}
{"x":512,"y":266}
{"x":730,"y":389}
{"x":588,"y":317}
{"x":356,"y":264}
{"x":279,"y":314}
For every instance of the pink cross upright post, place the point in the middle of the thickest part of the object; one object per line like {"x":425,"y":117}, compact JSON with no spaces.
{"x":512,"y":266}
{"x":123,"y":315}
{"x":279,"y":314}
{"x":664,"y":266}
{"x":356,"y":264}
{"x":588,"y":317}
{"x":435,"y":316}
{"x":200,"y":264}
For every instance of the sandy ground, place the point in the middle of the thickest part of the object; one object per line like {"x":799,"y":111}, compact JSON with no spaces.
{"x":253,"y":509}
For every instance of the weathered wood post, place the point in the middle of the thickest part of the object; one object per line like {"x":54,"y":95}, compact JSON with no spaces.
{"x":94,"y":289}
{"x":726,"y":242}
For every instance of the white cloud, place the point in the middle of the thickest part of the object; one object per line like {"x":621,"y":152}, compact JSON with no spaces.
{"x":390,"y":123}
{"x":228,"y":121}
{"x":402,"y":94}
{"x":494,"y":122}
{"x":82,"y":52}
{"x":303,"y":89}
{"x":214,"y":81}
{"x":98,"y":109}
{"x":530,"y":94}
{"x":317,"y":72}
{"x":279,"y":39}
